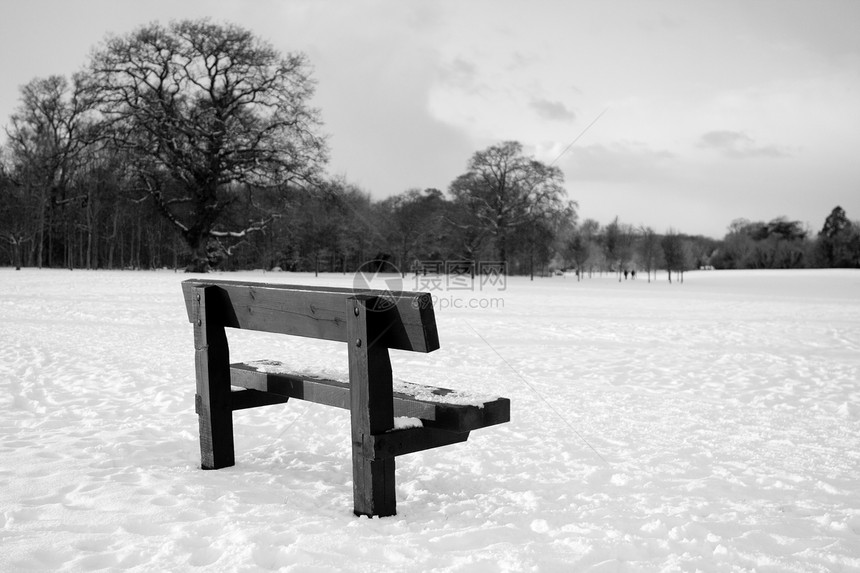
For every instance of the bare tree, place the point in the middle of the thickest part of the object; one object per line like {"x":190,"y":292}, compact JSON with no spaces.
{"x":613,"y":246}
{"x":626,"y":241}
{"x":412,"y":223}
{"x":648,"y":245}
{"x":673,"y":252}
{"x":46,"y":139}
{"x":15,"y":224}
{"x":577,"y":250}
{"x":503,"y":190}
{"x":678,"y":254}
{"x":208,"y":113}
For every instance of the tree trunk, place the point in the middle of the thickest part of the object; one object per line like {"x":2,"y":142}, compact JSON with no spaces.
{"x":40,"y":247}
{"x":197,"y":265}
{"x":113,"y":238}
{"x":121,"y":251}
{"x":69,"y":246}
{"x":199,"y":262}
{"x":90,"y":228}
{"x":131,"y":247}
{"x":531,"y":263}
{"x":501,"y":247}
{"x":82,"y":262}
{"x":206,"y":253}
{"x":19,"y":256}
{"x":137,"y":256}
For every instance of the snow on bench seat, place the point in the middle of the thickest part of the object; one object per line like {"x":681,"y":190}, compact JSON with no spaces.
{"x":441,"y":408}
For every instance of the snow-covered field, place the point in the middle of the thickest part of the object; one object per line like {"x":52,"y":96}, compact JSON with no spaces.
{"x":711,"y":426}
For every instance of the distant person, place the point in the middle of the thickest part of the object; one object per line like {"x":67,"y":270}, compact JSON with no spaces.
{"x":625,"y":274}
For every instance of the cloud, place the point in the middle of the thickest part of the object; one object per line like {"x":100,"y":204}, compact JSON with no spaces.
{"x":552,"y":110}
{"x":619,"y":161}
{"x":738,"y":145}
{"x":522,"y":61}
{"x":459,"y":73}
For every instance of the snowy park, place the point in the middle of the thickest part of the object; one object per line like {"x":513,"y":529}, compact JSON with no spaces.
{"x":712,"y":425}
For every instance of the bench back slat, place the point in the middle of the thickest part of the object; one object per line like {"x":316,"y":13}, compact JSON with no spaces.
{"x":320,"y":312}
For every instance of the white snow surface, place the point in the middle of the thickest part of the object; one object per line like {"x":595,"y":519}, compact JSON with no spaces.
{"x":710,"y":426}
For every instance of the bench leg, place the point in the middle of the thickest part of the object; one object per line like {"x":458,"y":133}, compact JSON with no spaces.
{"x":373,"y":486}
{"x":371,"y":409}
{"x":212,"y":367}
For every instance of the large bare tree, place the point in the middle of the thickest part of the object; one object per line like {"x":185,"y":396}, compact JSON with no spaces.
{"x":207,"y":112}
{"x":503,"y":191}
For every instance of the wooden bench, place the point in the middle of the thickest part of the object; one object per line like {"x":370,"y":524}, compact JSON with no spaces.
{"x":370,"y":323}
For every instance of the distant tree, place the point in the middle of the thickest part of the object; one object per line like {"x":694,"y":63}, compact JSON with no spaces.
{"x":536,"y":242}
{"x":785,"y":243}
{"x":503,"y":190}
{"x":836,"y":223}
{"x":47,"y":137}
{"x":702,"y":250}
{"x":612,"y":245}
{"x":780,"y":243}
{"x":317,"y":220}
{"x":465,"y":239}
{"x":648,"y":246}
{"x":737,"y":246}
{"x":618,"y":240}
{"x":590,"y":231}
{"x":329,"y":229}
{"x":565,"y":228}
{"x":413,"y":222}
{"x":673,"y":253}
{"x":785,"y":229}
{"x":358,"y":236}
{"x":688,"y":256}
{"x":208,"y":114}
{"x":15,"y":224}
{"x":626,"y":241}
{"x":836,"y":245}
{"x":578,"y":249}
{"x":854,"y":245}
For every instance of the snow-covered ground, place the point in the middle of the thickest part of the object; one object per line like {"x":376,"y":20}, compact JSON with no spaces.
{"x":713,"y":425}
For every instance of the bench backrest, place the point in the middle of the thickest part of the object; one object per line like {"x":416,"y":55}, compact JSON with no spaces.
{"x":405,"y":320}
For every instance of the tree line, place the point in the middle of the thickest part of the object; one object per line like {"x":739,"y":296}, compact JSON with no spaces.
{"x":194,"y":145}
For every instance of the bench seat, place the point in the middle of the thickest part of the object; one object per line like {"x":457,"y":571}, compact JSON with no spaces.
{"x":438,"y":408}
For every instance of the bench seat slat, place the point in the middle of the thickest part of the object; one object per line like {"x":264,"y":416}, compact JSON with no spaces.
{"x":450,"y":417}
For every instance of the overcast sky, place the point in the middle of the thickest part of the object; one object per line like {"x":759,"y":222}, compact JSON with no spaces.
{"x":713,"y":110}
